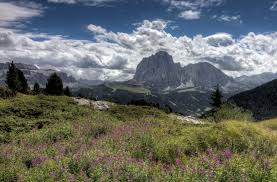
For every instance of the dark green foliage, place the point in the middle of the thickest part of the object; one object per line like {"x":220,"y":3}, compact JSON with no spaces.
{"x":36,"y":89}
{"x":74,"y":166}
{"x":6,"y":93}
{"x":67,"y":92}
{"x":227,"y":112}
{"x":54,"y":85}
{"x":12,"y":79}
{"x":216,"y":98}
{"x":23,"y":85}
{"x":16,"y":80}
{"x":6,"y":175}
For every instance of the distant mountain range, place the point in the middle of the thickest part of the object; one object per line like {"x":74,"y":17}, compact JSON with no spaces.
{"x":158,"y":80}
{"x":186,"y":89}
{"x":33,"y":74}
{"x":160,"y":73}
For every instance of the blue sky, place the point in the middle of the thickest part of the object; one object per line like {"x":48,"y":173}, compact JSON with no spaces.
{"x":106,"y":39}
{"x":72,"y":19}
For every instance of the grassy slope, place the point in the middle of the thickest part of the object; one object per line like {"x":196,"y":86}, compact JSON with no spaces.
{"x":52,"y":139}
{"x":134,"y":89}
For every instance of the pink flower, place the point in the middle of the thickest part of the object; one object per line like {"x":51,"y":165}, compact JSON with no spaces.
{"x":179,"y":163}
{"x":38,"y":160}
{"x":228,"y":154}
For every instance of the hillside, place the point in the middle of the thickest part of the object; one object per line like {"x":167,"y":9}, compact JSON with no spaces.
{"x":47,"y":138}
{"x":261,"y":101}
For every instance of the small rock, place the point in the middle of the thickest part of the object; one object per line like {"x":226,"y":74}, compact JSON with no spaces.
{"x":188,"y":119}
{"x":99,"y":105}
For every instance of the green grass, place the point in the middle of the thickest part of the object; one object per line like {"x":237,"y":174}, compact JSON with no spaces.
{"x":134,"y":89}
{"x":47,"y":138}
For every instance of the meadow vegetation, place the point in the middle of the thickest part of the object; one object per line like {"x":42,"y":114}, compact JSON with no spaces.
{"x":50,"y":138}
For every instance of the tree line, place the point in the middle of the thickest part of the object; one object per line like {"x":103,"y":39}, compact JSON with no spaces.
{"x":17,"y":82}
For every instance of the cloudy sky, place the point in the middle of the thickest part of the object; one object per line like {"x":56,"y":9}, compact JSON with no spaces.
{"x":106,"y":39}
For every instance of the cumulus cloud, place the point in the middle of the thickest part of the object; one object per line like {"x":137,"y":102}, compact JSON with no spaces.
{"x":115,"y":55}
{"x":13,"y":14}
{"x":190,"y":15}
{"x":86,"y":2}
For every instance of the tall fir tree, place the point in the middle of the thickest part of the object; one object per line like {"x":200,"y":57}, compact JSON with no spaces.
{"x":216,"y":98}
{"x":54,"y":85}
{"x":67,"y":92}
{"x":12,"y":79}
{"x":36,"y":89}
{"x":23,"y":84}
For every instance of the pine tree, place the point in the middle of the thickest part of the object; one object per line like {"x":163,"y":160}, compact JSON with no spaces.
{"x":67,"y":92}
{"x":23,"y":85}
{"x":36,"y":88}
{"x":216,"y":98}
{"x":54,"y":85}
{"x":12,"y":79}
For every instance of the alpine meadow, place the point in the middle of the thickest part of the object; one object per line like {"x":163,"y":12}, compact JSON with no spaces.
{"x":138,"y":91}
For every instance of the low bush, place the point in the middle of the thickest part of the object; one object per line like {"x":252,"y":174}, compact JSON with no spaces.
{"x":227,"y":112}
{"x":6,"y":93}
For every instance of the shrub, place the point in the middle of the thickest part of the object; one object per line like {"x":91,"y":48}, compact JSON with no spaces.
{"x":6,"y":93}
{"x":228,"y":112}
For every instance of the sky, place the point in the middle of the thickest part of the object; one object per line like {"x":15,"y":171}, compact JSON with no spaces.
{"x":106,"y":39}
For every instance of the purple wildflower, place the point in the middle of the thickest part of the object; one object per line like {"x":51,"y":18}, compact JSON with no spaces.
{"x":38,"y":160}
{"x":227,"y":154}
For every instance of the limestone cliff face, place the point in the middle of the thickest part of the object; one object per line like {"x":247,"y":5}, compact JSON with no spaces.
{"x":159,"y":71}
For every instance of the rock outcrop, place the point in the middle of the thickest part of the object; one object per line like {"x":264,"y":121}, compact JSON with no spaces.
{"x":160,"y":72}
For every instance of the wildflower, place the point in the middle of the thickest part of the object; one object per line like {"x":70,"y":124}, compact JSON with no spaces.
{"x":210,"y":151}
{"x":179,"y":163}
{"x":38,"y":160}
{"x":227,"y":154}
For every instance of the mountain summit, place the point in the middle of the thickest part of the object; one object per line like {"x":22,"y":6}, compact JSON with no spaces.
{"x":160,"y":72}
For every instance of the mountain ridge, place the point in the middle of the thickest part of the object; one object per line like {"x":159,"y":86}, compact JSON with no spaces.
{"x":261,"y":101}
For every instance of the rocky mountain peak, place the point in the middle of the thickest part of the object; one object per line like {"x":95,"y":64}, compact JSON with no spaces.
{"x":158,"y":71}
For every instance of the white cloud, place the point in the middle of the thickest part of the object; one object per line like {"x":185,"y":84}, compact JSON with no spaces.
{"x":13,"y":14}
{"x":96,"y":29}
{"x":191,"y":9}
{"x":274,"y":6}
{"x":193,"y":4}
{"x":115,"y":55}
{"x":228,"y":18}
{"x":190,"y":15}
{"x":86,"y":2}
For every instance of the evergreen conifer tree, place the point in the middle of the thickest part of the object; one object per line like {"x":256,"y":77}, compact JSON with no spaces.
{"x":36,"y":88}
{"x":12,"y":79}
{"x":217,"y":98}
{"x":67,"y":92}
{"x":54,"y":85}
{"x":23,"y":84}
